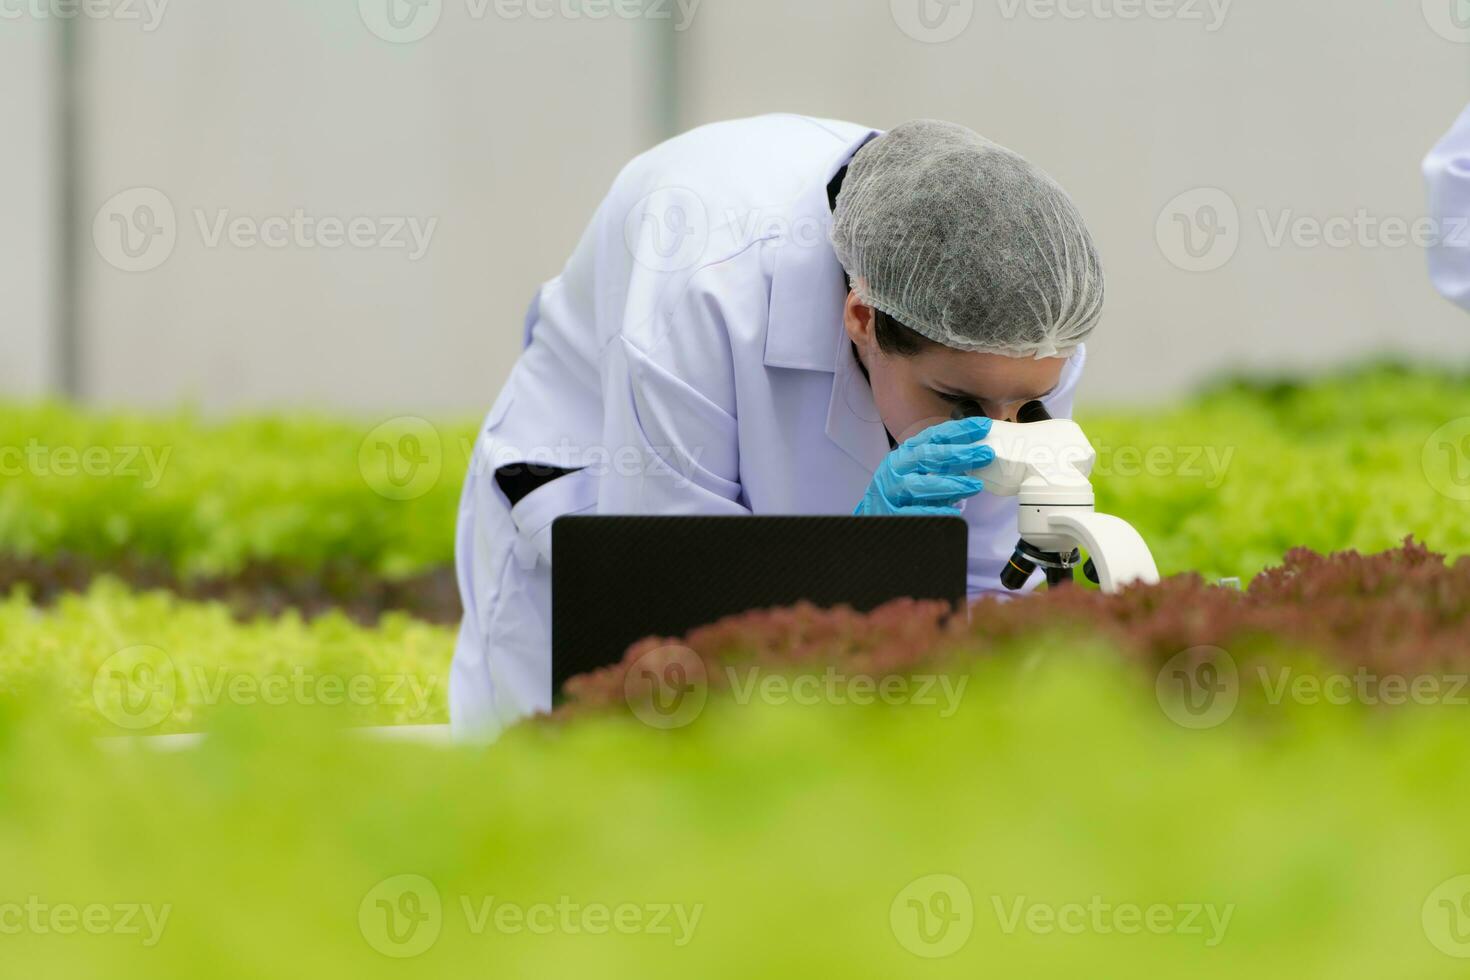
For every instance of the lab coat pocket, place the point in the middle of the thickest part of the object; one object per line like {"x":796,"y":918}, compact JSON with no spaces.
{"x":571,"y":494}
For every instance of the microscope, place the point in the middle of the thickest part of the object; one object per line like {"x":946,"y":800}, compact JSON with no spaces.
{"x":1045,"y":464}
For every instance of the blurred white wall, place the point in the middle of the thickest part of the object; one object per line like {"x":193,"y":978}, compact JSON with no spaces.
{"x":27,"y":242}
{"x":504,"y":129}
{"x":1301,"y":108}
{"x":494,"y":137}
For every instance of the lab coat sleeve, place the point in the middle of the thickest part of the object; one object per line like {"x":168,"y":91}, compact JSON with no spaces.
{"x":1447,"y":174}
{"x":670,"y":434}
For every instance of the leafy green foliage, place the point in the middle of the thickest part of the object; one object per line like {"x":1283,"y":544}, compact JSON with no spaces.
{"x":795,"y":830}
{"x":1249,"y":470}
{"x":1222,"y":484}
{"x":149,"y":664}
{"x":208,"y":497}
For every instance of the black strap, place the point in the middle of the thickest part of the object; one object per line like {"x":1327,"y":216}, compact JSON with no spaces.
{"x":518,"y":480}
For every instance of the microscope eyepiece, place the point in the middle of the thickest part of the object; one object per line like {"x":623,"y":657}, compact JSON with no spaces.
{"x":967,"y":409}
{"x":1033,"y":412}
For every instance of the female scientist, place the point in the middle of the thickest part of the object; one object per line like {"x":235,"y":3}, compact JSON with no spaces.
{"x":780,"y":315}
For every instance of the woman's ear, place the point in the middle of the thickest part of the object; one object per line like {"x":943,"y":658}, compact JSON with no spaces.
{"x":857,"y":320}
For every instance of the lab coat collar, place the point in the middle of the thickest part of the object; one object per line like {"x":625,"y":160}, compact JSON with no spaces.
{"x":852,"y":415}
{"x":808,"y":285}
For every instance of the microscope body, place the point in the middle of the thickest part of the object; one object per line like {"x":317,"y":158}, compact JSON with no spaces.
{"x":1046,"y":465}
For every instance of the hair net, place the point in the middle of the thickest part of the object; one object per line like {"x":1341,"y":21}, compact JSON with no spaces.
{"x":967,"y":243}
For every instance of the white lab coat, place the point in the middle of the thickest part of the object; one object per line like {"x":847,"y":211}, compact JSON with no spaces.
{"x":691,"y":358}
{"x":1447,"y":174}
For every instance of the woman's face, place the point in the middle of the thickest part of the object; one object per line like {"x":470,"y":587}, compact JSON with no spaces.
{"x":915,"y":391}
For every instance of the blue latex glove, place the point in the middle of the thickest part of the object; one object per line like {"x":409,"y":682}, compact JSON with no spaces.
{"x":929,"y":474}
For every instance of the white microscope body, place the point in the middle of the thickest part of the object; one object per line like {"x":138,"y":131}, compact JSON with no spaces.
{"x":1046,"y":465}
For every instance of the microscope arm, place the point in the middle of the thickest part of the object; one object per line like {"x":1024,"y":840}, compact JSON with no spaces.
{"x":1117,"y":550}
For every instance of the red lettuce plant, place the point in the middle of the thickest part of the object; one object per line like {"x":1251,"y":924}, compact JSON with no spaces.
{"x":1403,"y":611}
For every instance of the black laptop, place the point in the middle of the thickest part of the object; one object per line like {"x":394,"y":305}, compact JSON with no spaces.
{"x":617,"y":580}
